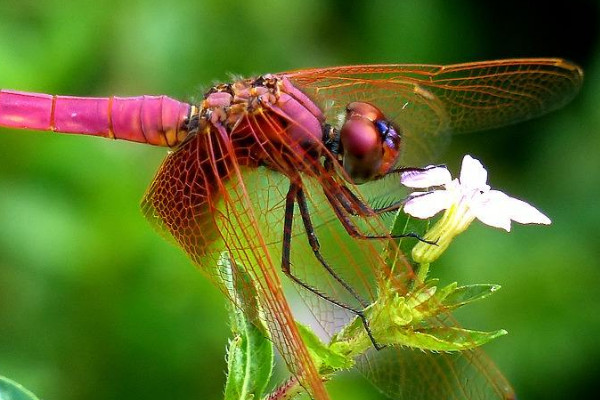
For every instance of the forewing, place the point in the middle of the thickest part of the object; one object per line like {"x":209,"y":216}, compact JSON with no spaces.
{"x":364,"y":265}
{"x":429,"y":101}
{"x":200,"y":198}
{"x":209,"y":202}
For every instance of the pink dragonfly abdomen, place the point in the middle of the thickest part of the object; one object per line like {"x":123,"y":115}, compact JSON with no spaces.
{"x":156,"y":120}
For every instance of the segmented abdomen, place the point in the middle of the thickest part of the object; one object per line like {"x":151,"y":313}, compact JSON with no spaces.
{"x":156,"y":120}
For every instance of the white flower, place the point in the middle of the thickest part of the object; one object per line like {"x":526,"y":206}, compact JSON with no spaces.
{"x":464,"y":199}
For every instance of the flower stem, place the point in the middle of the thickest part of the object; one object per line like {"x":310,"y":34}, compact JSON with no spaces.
{"x":454,"y":221}
{"x":422,"y":272}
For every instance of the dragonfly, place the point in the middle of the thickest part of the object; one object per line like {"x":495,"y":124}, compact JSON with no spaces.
{"x":294,"y":172}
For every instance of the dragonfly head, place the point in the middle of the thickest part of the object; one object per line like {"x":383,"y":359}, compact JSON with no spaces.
{"x":370,"y":144}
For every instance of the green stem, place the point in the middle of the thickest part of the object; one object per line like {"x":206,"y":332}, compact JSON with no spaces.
{"x":422,"y":271}
{"x":454,"y":221}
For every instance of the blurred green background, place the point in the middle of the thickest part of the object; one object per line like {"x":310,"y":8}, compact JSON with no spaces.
{"x":95,"y":305}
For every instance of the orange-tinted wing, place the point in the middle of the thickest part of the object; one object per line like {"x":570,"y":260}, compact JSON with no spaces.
{"x":429,"y":101}
{"x":203,"y":199}
{"x":200,"y":198}
{"x":242,"y":213}
{"x":400,"y":373}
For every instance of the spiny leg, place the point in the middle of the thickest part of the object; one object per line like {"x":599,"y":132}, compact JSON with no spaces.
{"x":296,"y":194}
{"x":315,"y":246}
{"x":354,"y":206}
{"x":343,"y":208}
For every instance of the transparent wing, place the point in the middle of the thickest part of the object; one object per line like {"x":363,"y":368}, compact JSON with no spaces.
{"x":430,"y":101}
{"x":245,"y":217}
{"x":212,"y":196}
{"x":404,"y":373}
{"x":398,"y":372}
{"x":200,"y":198}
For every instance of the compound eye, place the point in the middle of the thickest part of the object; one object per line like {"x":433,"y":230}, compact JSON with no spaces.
{"x":370,"y":143}
{"x":361,"y":142}
{"x":360,"y":138}
{"x":363,"y":110}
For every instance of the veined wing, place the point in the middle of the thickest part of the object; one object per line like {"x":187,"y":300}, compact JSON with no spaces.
{"x":200,"y":198}
{"x":211,"y":198}
{"x":427,"y":102}
{"x":404,"y":373}
{"x":398,"y":372}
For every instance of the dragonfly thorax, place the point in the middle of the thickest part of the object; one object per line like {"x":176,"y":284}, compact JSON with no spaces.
{"x":267,"y":121}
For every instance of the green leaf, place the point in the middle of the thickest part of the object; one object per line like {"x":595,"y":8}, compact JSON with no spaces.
{"x":467,"y":294}
{"x":10,"y":390}
{"x":440,"y":338}
{"x":327,"y":359}
{"x":423,"y":294}
{"x":445,"y":291}
{"x":250,"y":352}
{"x":413,"y":320}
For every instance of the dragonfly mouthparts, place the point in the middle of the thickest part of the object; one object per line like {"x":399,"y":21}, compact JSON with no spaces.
{"x":331,"y":139}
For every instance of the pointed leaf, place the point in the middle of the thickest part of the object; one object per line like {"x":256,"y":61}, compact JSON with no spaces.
{"x":439,"y":338}
{"x":250,"y":352}
{"x":327,"y":359}
{"x":442,"y":293}
{"x":467,"y":294}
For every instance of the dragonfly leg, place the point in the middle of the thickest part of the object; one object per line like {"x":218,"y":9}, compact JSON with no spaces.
{"x":314,"y":244}
{"x":342,"y":208}
{"x":347,"y":197}
{"x":355,"y":206}
{"x":296,"y":194}
{"x":397,"y":204}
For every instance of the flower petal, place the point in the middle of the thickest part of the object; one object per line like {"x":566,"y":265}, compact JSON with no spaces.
{"x":428,"y":177}
{"x":426,"y":205}
{"x":525,"y":213}
{"x":496,"y":208}
{"x":493,"y":209}
{"x":472,"y":173}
